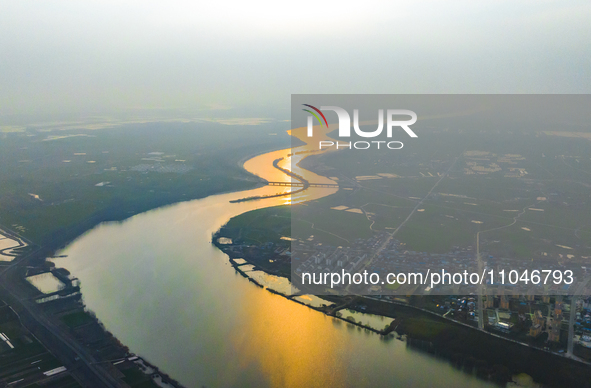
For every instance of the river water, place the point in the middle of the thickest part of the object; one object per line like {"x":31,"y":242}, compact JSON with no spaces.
{"x":161,"y":287}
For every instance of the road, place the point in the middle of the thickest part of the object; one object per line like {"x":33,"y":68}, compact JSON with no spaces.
{"x":76,"y":358}
{"x":391,"y":236}
{"x":480,"y":263}
{"x":481,"y":286}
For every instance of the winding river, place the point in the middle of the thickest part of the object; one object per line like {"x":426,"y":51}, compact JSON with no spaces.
{"x":161,"y":287}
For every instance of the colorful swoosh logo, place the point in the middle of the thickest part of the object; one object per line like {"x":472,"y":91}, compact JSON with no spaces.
{"x":315,"y":115}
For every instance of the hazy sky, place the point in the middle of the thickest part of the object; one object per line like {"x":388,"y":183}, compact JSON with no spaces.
{"x":68,"y":59}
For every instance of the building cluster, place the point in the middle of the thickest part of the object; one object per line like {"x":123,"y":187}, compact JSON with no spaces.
{"x":511,"y":309}
{"x":382,"y":254}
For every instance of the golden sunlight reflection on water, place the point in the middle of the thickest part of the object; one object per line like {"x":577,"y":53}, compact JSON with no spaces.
{"x":161,"y":287}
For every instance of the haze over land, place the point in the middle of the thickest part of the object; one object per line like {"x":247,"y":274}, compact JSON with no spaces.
{"x":105,"y":60}
{"x":109,"y":109}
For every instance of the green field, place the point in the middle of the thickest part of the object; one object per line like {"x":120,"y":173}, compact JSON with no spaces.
{"x":49,"y":190}
{"x":527,"y":194}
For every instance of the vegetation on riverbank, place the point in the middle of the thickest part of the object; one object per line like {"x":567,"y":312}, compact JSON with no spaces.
{"x":489,"y":357}
{"x":54,"y":190}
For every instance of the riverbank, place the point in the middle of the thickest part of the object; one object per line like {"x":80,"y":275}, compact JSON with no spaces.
{"x":325,"y":310}
{"x":422,"y":330}
{"x":189,"y":312}
{"x":490,"y":356}
{"x":70,"y":298}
